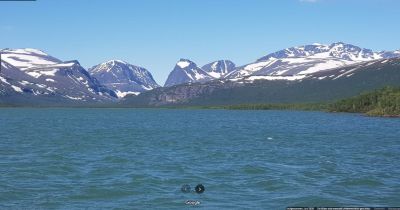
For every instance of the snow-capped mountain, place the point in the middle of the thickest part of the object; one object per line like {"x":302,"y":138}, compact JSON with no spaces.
{"x":218,"y":69}
{"x":186,"y":71}
{"x":26,"y":59}
{"x":31,"y":72}
{"x":308,"y":59}
{"x":123,"y":78}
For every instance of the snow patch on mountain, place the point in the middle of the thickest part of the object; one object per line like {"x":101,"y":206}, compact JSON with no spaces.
{"x":183,"y":64}
{"x":123,"y":94}
{"x":27,"y":58}
{"x":2,"y":79}
{"x":17,"y":89}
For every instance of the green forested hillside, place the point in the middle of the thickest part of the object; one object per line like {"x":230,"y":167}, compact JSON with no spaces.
{"x":382,"y":102}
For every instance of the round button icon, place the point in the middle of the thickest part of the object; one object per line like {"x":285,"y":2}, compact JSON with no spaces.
{"x":199,"y":188}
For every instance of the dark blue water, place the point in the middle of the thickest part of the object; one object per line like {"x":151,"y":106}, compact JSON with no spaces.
{"x":139,"y":158}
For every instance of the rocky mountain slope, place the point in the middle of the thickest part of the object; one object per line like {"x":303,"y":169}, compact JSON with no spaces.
{"x":186,"y":71}
{"x":123,"y":78}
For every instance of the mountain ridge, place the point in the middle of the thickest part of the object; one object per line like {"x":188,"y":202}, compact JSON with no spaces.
{"x":308,"y":59}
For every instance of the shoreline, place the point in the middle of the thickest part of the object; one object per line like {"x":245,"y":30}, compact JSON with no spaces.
{"x":323,"y":107}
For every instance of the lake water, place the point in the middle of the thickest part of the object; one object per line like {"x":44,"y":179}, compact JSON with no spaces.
{"x":140,"y":158}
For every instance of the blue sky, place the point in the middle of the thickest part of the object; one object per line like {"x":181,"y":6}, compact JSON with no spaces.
{"x":156,"y":33}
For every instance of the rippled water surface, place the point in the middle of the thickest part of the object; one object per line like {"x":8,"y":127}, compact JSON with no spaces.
{"x":139,"y":159}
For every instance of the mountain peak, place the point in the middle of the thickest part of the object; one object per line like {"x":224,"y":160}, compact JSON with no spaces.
{"x":74,"y":62}
{"x":344,"y":45}
{"x":219,"y":68}
{"x":186,"y":71}
{"x":340,"y":50}
{"x":26,"y":58}
{"x":116,"y":61}
{"x":25,"y":51}
{"x":183,"y":63}
{"x":109,"y":65}
{"x":35,"y":51}
{"x":339,"y":43}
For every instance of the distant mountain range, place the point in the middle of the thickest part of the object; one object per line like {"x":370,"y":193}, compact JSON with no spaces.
{"x":322,"y":86}
{"x":290,"y":64}
{"x":32,"y":77}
